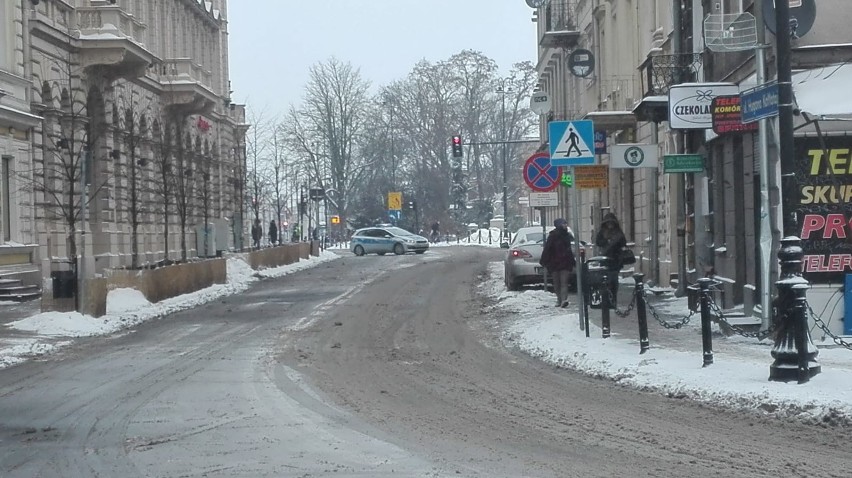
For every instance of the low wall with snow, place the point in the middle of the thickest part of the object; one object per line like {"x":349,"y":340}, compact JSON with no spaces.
{"x":178,"y":279}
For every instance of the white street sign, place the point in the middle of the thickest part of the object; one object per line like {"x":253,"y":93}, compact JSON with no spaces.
{"x":540,"y":103}
{"x":634,"y":156}
{"x":689,"y":103}
{"x":544,"y":199}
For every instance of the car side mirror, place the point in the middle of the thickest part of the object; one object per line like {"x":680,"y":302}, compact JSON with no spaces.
{"x":504,"y":245}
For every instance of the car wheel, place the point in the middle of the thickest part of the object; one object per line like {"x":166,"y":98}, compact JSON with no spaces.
{"x":398,"y":249}
{"x":419,"y":252}
{"x":359,"y":251}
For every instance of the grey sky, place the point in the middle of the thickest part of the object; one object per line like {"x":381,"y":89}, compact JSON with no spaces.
{"x":274,"y":42}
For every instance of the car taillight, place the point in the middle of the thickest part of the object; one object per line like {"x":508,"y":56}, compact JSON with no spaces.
{"x":519,"y":254}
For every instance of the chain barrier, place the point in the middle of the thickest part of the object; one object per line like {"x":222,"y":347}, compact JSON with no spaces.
{"x":666,"y":324}
{"x":720,"y":316}
{"x":630,"y":307}
{"x":824,"y":327}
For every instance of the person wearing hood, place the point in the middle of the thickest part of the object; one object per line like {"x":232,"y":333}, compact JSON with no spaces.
{"x":559,"y":260}
{"x":611,"y":240}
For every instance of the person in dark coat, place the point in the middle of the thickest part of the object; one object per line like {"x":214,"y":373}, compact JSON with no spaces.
{"x":256,"y":233}
{"x":611,"y":241}
{"x":559,"y":260}
{"x":273,"y":232}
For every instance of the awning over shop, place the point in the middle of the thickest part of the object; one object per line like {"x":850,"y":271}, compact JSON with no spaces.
{"x":652,"y":108}
{"x":824,"y":91}
{"x":612,"y":120}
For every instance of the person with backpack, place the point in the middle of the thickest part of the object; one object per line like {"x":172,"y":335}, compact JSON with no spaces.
{"x":559,"y":260}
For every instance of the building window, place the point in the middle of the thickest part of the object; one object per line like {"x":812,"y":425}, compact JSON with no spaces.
{"x":6,"y":197}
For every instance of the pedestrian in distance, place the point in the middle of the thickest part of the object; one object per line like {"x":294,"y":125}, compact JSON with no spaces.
{"x":273,"y":232}
{"x":256,"y":233}
{"x":559,"y":260}
{"x":611,"y":241}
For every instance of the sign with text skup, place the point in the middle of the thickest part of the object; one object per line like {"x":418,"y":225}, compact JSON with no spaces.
{"x":683,"y":163}
{"x":571,"y":142}
{"x":632,"y":156}
{"x":690,"y":103}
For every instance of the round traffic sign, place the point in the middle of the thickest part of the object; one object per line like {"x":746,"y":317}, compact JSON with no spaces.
{"x":540,"y":175}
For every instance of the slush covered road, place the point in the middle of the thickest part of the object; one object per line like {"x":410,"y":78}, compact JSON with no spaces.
{"x":371,"y":366}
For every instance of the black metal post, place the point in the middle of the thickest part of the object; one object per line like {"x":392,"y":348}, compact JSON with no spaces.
{"x":585,"y":288}
{"x":706,"y":333}
{"x":605,"y":303}
{"x":794,"y":352}
{"x":644,"y":345}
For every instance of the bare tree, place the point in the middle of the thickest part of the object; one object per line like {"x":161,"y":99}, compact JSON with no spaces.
{"x":164,"y":134}
{"x":326,"y":130}
{"x":73,"y":125}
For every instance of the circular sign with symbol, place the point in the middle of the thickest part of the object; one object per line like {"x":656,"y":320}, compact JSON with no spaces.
{"x":540,"y":175}
{"x":540,"y":102}
{"x":581,"y":63}
{"x":634,"y":156}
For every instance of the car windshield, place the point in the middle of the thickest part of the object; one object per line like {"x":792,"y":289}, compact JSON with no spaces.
{"x":398,"y":231}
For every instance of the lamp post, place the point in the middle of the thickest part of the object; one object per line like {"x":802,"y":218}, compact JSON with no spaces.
{"x":502,"y":90}
{"x":794,"y":352}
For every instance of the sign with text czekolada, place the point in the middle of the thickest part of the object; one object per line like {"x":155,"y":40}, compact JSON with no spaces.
{"x":683,"y":163}
{"x":591,"y":177}
{"x":727,"y":116}
{"x":824,"y":207}
{"x":689,"y":103}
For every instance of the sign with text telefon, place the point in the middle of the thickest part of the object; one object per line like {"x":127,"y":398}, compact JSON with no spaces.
{"x":824,"y":212}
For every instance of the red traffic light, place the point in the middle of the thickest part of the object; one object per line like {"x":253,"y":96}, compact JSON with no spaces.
{"x":456,"y":139}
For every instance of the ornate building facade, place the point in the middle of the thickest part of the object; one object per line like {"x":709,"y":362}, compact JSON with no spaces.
{"x":121,"y":143}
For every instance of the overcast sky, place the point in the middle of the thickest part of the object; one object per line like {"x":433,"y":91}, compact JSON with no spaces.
{"x":274,"y":42}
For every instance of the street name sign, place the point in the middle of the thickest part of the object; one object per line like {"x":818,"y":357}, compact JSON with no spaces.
{"x":759,"y":103}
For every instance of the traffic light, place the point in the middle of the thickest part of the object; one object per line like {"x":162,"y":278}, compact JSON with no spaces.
{"x":457,"y":147}
{"x":335,"y":219}
{"x":567,"y":180}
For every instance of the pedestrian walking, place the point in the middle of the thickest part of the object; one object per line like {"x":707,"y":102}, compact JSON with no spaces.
{"x":273,"y":232}
{"x":256,"y":233}
{"x":559,"y":260}
{"x":611,"y":241}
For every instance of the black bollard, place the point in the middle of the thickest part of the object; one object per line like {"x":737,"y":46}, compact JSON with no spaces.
{"x":706,"y":337}
{"x":644,"y":345}
{"x":794,"y":352}
{"x":605,"y":301}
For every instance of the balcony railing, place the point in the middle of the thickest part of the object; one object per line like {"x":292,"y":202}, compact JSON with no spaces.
{"x":185,"y":69}
{"x":661,"y":72}
{"x":560,"y":24}
{"x":110,"y":19}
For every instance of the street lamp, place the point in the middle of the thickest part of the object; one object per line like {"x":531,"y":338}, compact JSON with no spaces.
{"x":502,"y":90}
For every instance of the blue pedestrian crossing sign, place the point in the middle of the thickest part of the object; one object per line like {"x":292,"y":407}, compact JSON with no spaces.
{"x":571,"y":142}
